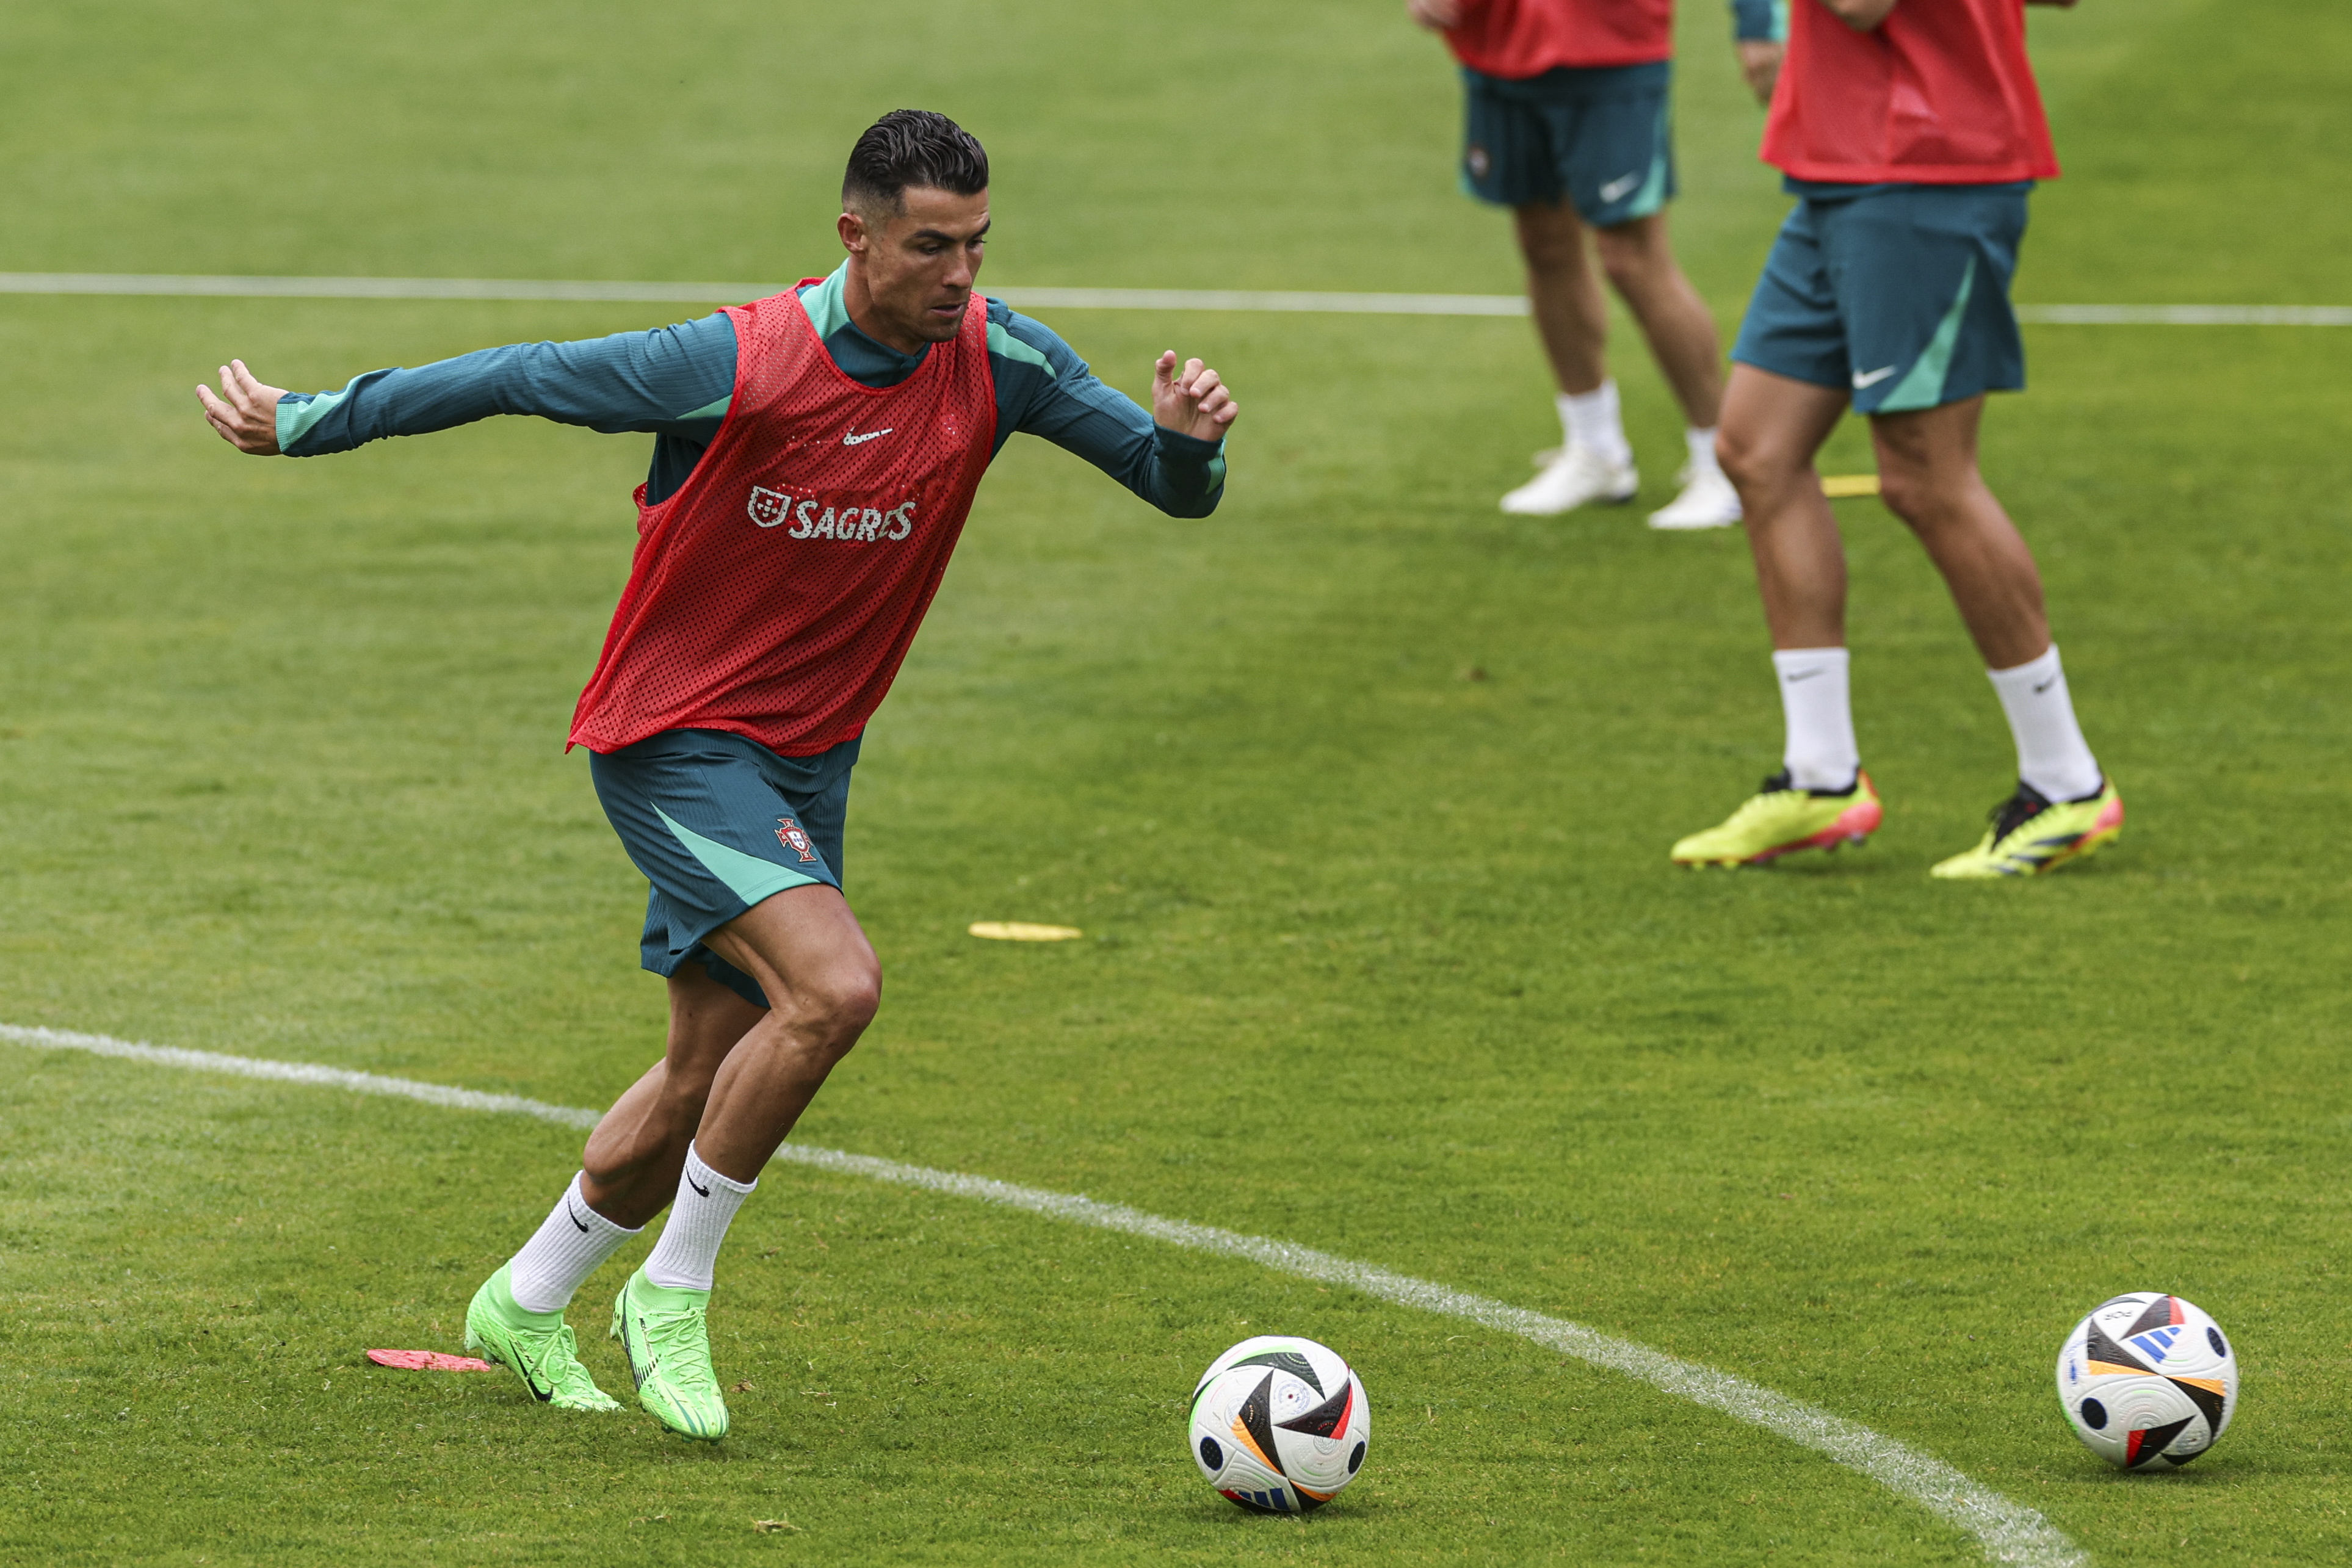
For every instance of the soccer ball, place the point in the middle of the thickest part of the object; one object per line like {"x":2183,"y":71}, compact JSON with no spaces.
{"x":2148,"y":1382}
{"x":1279,"y":1424}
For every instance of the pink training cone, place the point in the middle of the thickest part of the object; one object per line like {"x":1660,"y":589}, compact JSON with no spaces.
{"x":427,"y":1360}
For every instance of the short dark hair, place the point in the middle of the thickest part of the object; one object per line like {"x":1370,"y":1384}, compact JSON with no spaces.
{"x":912,"y":147}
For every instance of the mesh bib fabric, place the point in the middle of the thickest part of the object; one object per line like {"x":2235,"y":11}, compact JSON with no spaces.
{"x":775,"y":594}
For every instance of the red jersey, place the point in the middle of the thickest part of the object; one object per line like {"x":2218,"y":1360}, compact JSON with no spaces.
{"x":1940,"y":93}
{"x":775,"y":594}
{"x":1521,"y":39}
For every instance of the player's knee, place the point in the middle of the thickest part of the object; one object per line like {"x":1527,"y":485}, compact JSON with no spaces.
{"x":845,"y":1000}
{"x":1747,"y":459}
{"x":1909,"y":491}
{"x":1628,"y":256}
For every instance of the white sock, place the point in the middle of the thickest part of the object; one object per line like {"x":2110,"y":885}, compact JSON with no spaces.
{"x":569,"y":1245}
{"x":689,"y":1248}
{"x":1702,"y":450}
{"x":1820,"y":753}
{"x":1594,"y":422}
{"x":2051,"y":753}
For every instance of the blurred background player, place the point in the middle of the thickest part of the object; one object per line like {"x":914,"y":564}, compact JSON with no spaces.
{"x":815,"y":456}
{"x":1567,"y":125}
{"x":1911,"y":132}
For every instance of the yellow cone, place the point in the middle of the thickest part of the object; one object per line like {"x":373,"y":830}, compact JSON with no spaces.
{"x":1019,"y":931}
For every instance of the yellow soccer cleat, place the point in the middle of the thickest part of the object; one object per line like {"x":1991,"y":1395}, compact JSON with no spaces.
{"x":1780,"y":819}
{"x":2031,"y":835}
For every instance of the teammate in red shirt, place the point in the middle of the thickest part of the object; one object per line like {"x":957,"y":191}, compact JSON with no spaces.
{"x":1911,"y":131}
{"x":774,"y":591}
{"x":1569,"y":127}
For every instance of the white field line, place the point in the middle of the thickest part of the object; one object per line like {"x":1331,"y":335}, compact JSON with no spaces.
{"x":1033,"y":298}
{"x":2009,"y":1532}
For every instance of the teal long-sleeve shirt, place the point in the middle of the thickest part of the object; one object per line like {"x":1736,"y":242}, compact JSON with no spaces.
{"x":675,"y":384}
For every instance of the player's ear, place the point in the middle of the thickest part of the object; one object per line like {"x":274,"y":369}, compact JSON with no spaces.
{"x":852,"y":229}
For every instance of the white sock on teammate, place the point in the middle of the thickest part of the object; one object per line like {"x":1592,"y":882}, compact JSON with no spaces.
{"x":689,"y":1248}
{"x":2051,"y":755}
{"x":568,"y":1247}
{"x":1593,"y":421}
{"x":1820,"y":752}
{"x":1702,"y":450}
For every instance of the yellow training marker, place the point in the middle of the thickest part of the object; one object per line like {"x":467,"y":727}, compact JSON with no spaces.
{"x":1839,"y":486}
{"x":1018,"y":931}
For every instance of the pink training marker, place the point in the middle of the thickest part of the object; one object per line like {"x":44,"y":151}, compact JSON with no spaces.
{"x":427,"y":1360}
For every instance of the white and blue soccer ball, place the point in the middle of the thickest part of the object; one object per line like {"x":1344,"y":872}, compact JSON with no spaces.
{"x":2148,"y":1381}
{"x":1279,"y":1424}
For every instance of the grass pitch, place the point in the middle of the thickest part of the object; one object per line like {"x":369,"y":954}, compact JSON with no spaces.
{"x":1360,"y":790}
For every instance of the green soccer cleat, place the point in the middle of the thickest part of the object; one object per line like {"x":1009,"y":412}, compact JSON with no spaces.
{"x":1780,"y":819}
{"x":2031,"y":835}
{"x":537,"y":1347}
{"x":670,"y":1354}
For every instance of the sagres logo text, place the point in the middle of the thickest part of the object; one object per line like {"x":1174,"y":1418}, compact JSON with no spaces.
{"x":811,"y":519}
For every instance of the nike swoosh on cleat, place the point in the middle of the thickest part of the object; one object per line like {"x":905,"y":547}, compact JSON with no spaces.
{"x":1620,"y":186}
{"x":852,"y":439}
{"x":1873,"y":378}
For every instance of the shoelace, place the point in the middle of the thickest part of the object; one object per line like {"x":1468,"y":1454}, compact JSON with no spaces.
{"x":681,"y":1349}
{"x":2016,"y":811}
{"x":557,"y":1364}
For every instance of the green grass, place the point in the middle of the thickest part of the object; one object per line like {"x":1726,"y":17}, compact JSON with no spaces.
{"x":1380,"y":958}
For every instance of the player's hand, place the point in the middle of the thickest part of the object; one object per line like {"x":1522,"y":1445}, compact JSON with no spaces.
{"x":1760,"y":62}
{"x":1437,"y":16}
{"x":246,"y":414}
{"x":1192,"y":402}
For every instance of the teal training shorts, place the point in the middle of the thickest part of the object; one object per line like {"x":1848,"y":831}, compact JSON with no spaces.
{"x":719,"y":822}
{"x":1599,"y":137}
{"x":1898,"y":294}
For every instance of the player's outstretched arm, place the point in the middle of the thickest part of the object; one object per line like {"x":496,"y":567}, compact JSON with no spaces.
{"x":1191,"y":402}
{"x":246,"y":413}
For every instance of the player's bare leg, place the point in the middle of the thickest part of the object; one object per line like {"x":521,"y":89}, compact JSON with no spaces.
{"x":2065,"y":808}
{"x":809,"y":956}
{"x":1772,"y":428}
{"x":1593,"y":461}
{"x":630,"y":1165}
{"x":1641,"y":264}
{"x":1570,"y":313}
{"x":1928,"y":476}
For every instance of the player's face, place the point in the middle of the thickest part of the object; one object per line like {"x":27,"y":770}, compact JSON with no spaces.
{"x":920,"y":263}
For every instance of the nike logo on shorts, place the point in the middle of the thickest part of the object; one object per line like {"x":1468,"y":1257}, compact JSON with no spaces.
{"x":1873,"y":379}
{"x":853,"y":439}
{"x":1621,"y":187}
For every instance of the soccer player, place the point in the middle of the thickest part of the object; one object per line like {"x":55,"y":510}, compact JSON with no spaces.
{"x":1910,"y":131}
{"x":1568,"y":127}
{"x":815,"y":456}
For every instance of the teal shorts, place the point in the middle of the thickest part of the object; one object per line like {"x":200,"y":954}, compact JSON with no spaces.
{"x":1897,"y":294}
{"x":1597,"y":136}
{"x":719,"y":822}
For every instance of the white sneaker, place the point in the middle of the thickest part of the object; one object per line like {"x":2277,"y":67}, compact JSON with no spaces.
{"x":1575,"y":477}
{"x":1708,"y":501}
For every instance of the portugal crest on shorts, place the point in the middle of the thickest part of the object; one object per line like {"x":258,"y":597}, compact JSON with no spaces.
{"x":789,"y":834}
{"x":768,"y":506}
